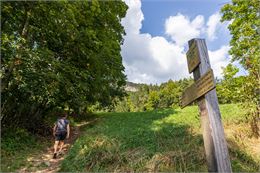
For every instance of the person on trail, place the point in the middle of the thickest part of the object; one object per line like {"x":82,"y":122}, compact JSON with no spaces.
{"x":61,"y":131}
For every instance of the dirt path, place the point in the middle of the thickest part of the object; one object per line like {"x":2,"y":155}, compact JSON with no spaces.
{"x":44,"y":163}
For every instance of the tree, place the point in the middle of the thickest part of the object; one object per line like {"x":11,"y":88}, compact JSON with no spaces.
{"x":63,"y":54}
{"x":153,"y":100}
{"x":229,"y":88}
{"x":245,"y":48}
{"x":170,"y":93}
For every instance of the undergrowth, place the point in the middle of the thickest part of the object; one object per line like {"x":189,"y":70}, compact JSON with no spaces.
{"x":16,"y":146}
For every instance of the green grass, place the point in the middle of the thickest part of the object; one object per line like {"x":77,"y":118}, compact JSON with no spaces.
{"x":16,"y":146}
{"x":164,"y":140}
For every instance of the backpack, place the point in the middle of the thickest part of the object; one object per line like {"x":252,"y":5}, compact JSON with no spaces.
{"x":62,"y":125}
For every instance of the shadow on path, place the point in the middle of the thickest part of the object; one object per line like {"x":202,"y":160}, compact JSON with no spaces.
{"x":44,"y":163}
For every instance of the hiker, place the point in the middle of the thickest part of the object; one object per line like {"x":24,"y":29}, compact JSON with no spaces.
{"x":61,"y":131}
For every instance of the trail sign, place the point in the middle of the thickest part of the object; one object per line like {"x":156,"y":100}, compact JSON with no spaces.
{"x":203,"y":90}
{"x":193,"y":57}
{"x":203,"y":85}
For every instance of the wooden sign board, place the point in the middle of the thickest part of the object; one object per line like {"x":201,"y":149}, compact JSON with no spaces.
{"x":193,"y":57}
{"x":202,"y":86}
{"x":189,"y":95}
{"x":205,"y":83}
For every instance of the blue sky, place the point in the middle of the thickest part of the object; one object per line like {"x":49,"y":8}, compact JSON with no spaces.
{"x":157,"y":33}
{"x":156,"y":11}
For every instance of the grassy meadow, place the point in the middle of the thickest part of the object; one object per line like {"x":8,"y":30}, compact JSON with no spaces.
{"x":162,"y":140}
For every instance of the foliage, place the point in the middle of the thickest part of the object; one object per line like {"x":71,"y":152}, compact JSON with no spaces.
{"x":245,"y":48}
{"x":158,"y":141}
{"x":16,"y":146}
{"x":229,"y":88}
{"x":19,"y":147}
{"x":168,"y":94}
{"x":151,"y":97}
{"x":63,"y":54}
{"x":153,"y":100}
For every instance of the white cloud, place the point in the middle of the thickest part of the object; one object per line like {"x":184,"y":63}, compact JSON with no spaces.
{"x":181,"y":29}
{"x":133,"y":20}
{"x":134,"y":75}
{"x":166,"y":53}
{"x":150,"y":59}
{"x":213,"y":25}
{"x":218,"y":59}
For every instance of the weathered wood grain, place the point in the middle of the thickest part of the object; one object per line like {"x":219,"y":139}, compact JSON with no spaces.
{"x":193,"y":59}
{"x":213,"y":132}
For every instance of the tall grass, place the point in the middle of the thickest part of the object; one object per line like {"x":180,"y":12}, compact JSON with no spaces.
{"x":16,"y":146}
{"x":163,"y":140}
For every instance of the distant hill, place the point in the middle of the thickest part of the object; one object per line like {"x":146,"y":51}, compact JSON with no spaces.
{"x":133,"y":87}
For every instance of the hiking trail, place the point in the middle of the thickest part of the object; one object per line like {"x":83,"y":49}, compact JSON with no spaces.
{"x":44,"y":162}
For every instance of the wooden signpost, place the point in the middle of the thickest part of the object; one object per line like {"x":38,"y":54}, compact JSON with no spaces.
{"x":203,"y":90}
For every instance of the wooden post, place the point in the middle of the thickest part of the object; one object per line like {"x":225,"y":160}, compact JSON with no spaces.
{"x":207,"y":136}
{"x":213,"y":132}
